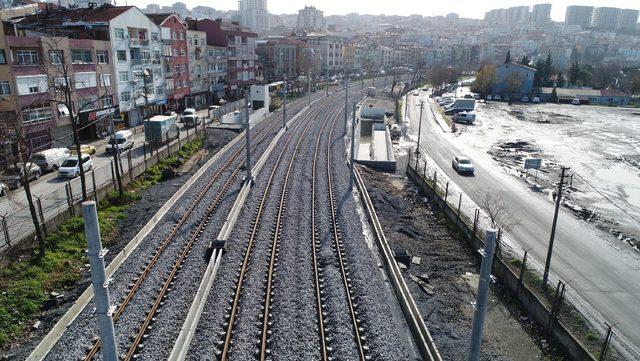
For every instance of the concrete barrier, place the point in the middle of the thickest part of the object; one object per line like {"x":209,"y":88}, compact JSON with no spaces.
{"x":535,"y":306}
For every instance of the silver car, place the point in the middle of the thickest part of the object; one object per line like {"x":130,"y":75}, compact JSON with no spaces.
{"x":462,"y":165}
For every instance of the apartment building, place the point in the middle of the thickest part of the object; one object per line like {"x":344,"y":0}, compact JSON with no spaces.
{"x":329,"y":50}
{"x":254,"y":15}
{"x":198,"y":76}
{"x":606,"y":18}
{"x":541,"y":14}
{"x":628,"y":19}
{"x":175,"y":58}
{"x":282,"y":57}
{"x":241,"y":51}
{"x":217,"y":72}
{"x":579,"y":15}
{"x":310,"y":19}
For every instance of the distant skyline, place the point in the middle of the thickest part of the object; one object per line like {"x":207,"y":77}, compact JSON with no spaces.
{"x":465,"y":8}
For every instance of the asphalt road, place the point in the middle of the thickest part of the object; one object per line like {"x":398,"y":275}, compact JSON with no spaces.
{"x":602,"y":274}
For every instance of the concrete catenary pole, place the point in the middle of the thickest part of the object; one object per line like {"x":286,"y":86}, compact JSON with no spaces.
{"x":309,"y":89}
{"x":547,"y":264}
{"x":346,"y":103}
{"x":284,"y":104}
{"x":353,"y":137}
{"x":419,"y":127}
{"x":247,"y":127}
{"x":483,"y":294}
{"x":99,"y":281}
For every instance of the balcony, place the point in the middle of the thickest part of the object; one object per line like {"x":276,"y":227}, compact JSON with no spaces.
{"x":134,"y":42}
{"x":168,"y":74}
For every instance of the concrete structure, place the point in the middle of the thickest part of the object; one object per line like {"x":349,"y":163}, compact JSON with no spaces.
{"x":329,"y":50}
{"x":241,"y":50}
{"x":579,"y":15}
{"x":152,"y":9}
{"x":198,"y":69}
{"x":608,"y":96}
{"x":8,"y":104}
{"x":541,"y":14}
{"x":513,"y":72}
{"x":606,"y":18}
{"x":628,"y":19}
{"x":310,"y":19}
{"x":217,"y":72}
{"x":518,"y":14}
{"x":175,"y":58}
{"x":254,"y":15}
{"x":373,"y":145}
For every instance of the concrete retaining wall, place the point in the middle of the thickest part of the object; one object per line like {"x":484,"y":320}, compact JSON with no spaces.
{"x":528,"y":299}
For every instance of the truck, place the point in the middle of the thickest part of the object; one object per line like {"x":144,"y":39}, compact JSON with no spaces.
{"x":371,"y":91}
{"x":460,"y":105}
{"x":160,"y":129}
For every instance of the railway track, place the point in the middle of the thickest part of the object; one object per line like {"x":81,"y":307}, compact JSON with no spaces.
{"x":258,"y":137}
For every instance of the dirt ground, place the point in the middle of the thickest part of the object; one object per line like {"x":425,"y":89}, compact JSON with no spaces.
{"x":410,"y":223}
{"x":135,"y":218}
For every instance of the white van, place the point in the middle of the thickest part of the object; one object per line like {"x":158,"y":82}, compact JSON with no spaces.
{"x":464,"y":117}
{"x":50,"y":159}
{"x":123,"y":141}
{"x":69,"y":168}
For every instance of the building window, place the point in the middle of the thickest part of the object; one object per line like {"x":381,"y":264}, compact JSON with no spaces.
{"x":102,"y":56}
{"x":55,"y":56}
{"x":176,"y":70}
{"x":105,"y":80}
{"x":27,"y":57}
{"x":124,"y":76}
{"x":107,"y":101}
{"x":169,"y":85}
{"x":122,"y":55}
{"x":119,"y":33}
{"x":138,"y":75}
{"x":31,"y":84}
{"x":3,"y":58}
{"x":81,"y":56}
{"x":85,"y":80}
{"x":154,"y":36}
{"x":175,"y":52}
{"x":156,"y":57}
{"x":36,"y":115}
{"x":5,"y":87}
{"x":158,"y":90}
{"x":85,"y":104}
{"x":125,"y":96}
{"x":183,"y":53}
{"x":183,"y":68}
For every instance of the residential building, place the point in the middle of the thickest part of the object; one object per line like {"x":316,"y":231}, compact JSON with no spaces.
{"x":254,"y":15}
{"x":198,"y":72}
{"x":173,"y":34}
{"x":507,"y":74}
{"x":8,"y":100}
{"x":541,"y":14}
{"x":518,"y":14}
{"x":628,"y":19}
{"x":608,"y":96}
{"x":180,"y":8}
{"x":217,"y":71}
{"x":579,"y":15}
{"x":606,"y":18}
{"x":329,"y":50}
{"x":152,"y":9}
{"x":71,"y":4}
{"x":310,"y":19}
{"x":348,"y":56}
{"x":241,"y":51}
{"x":282,"y":57}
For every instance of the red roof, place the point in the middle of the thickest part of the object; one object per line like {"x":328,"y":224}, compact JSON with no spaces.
{"x":103,"y":13}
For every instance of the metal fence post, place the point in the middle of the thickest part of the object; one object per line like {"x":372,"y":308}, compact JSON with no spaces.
{"x":446,"y":193}
{"x":460,"y":204}
{"x":113,"y":175}
{"x":522,"y":269}
{"x":93,"y":180}
{"x":476,"y":215}
{"x":5,"y":230}
{"x":605,"y":345}
{"x":435,"y":179}
{"x":482,"y":295}
{"x":44,"y":224}
{"x":70,"y":199}
{"x":169,"y":142}
{"x":144,"y":152}
{"x":424,"y":171}
{"x":130,"y":166}
{"x":99,"y":281}
{"x":555,"y":307}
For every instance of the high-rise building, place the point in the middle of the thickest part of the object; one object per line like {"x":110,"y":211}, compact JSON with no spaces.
{"x":152,"y":9}
{"x":310,"y":19}
{"x":606,"y":18}
{"x":518,"y":14}
{"x":254,"y":15}
{"x":628,"y":19}
{"x":578,"y":15}
{"x":541,"y":13}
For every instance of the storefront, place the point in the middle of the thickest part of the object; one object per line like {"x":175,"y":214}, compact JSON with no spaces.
{"x":94,"y":124}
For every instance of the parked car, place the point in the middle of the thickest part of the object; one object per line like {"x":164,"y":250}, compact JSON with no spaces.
{"x":507,"y":99}
{"x":415,"y":94}
{"x":535,"y":100}
{"x":464,"y":117}
{"x":50,"y":159}
{"x":525,"y":99}
{"x":12,"y":176}
{"x":170,"y":113}
{"x":488,"y":97}
{"x":70,"y":168}
{"x":476,"y":96}
{"x":188,"y":111}
{"x":190,"y":121}
{"x":575,"y":101}
{"x":123,"y":141}
{"x":4,"y":189}
{"x":497,"y":97}
{"x":462,"y":165}
{"x":84,"y":149}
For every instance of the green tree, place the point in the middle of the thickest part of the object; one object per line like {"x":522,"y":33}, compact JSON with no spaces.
{"x":560,"y":80}
{"x":525,"y":60}
{"x":513,"y":86}
{"x":539,"y":74}
{"x":485,"y":78}
{"x":508,"y":59}
{"x":574,"y":73}
{"x":554,"y":95}
{"x":548,"y":71}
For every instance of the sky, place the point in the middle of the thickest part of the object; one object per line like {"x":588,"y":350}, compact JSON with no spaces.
{"x":465,"y":8}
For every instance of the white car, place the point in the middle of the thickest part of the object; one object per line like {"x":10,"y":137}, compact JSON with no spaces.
{"x":69,"y":168}
{"x":535,"y":100}
{"x":462,"y":165}
{"x":3,"y":189}
{"x":464,"y":117}
{"x":488,"y":97}
{"x":497,"y":97}
{"x":525,"y":99}
{"x":575,"y":101}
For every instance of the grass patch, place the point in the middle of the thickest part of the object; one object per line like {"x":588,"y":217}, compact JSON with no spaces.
{"x":26,"y":284}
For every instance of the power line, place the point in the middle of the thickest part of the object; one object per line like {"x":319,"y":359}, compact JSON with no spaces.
{"x":608,"y":199}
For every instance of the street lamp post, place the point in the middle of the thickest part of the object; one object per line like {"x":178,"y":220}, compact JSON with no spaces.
{"x":284,"y":103}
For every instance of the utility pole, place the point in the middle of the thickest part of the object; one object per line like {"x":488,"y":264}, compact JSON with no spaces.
{"x":406,"y":105}
{"x":353,"y":137}
{"x":99,"y":281}
{"x":346,"y":103}
{"x":247,"y":126}
{"x":483,"y":294}
{"x":309,"y":88}
{"x":547,"y":264}
{"x":284,"y":104}
{"x":419,"y":130}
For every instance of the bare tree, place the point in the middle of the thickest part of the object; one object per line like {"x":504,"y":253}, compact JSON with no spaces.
{"x":62,"y":88}
{"x":20,"y":163}
{"x":500,"y":214}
